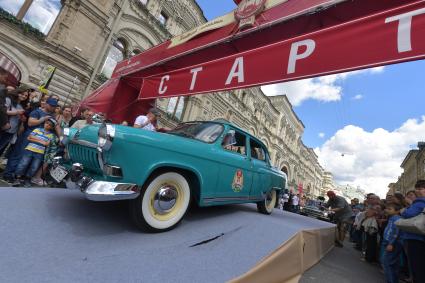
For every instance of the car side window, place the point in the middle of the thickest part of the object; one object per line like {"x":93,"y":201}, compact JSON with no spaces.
{"x":234,"y":141}
{"x":257,"y":151}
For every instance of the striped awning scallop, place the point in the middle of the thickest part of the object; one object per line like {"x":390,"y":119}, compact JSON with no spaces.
{"x":10,"y":67}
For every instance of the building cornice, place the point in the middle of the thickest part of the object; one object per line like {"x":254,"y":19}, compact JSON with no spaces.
{"x":406,"y":159}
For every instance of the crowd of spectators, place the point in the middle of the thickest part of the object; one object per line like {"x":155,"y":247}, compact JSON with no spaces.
{"x":31,"y":130}
{"x":371,"y":227}
{"x":378,"y":239}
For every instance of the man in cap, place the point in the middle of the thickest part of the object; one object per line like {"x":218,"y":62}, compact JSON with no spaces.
{"x":148,"y":122}
{"x":343,"y":212}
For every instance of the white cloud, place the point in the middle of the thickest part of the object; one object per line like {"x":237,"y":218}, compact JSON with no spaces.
{"x":325,"y":88}
{"x":321,"y":135}
{"x":370,"y":160}
{"x":357,"y":97}
{"x":377,"y":70}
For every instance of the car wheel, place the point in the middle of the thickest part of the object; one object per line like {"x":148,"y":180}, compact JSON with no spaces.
{"x":162,"y":203}
{"x":266,"y":206}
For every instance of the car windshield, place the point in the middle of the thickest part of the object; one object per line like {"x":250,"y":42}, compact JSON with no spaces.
{"x":203,"y":131}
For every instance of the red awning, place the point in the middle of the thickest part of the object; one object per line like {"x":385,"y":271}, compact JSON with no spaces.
{"x":365,"y":42}
{"x":311,"y":31}
{"x":118,"y":100}
{"x":10,"y":67}
{"x":228,"y":40}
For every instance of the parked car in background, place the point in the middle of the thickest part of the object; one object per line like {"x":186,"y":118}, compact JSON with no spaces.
{"x":209,"y":163}
{"x":315,"y":209}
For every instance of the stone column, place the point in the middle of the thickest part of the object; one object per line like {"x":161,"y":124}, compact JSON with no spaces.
{"x":24,"y":9}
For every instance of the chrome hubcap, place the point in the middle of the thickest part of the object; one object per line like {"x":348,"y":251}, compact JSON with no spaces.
{"x":165,"y":199}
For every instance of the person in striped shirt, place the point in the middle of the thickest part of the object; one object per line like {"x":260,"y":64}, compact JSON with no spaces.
{"x":33,"y":157}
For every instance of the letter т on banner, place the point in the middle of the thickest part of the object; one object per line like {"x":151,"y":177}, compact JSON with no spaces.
{"x":404,"y":41}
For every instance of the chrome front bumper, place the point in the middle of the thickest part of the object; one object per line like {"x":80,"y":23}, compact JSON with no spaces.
{"x":99,"y":190}
{"x":108,"y":191}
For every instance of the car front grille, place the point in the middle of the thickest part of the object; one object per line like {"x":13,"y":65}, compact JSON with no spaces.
{"x":313,"y":213}
{"x":84,"y":155}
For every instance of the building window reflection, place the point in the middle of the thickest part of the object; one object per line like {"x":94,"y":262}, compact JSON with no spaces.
{"x":41,"y":14}
{"x":163,"y":18}
{"x":176,"y":106}
{"x":12,"y":7}
{"x":116,"y":54}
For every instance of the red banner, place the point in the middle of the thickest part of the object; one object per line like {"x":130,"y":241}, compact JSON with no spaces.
{"x":389,"y":37}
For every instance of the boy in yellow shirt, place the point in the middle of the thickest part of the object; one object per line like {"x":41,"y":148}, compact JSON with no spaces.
{"x":33,"y":156}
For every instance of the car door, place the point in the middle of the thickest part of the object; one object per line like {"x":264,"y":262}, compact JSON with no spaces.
{"x":262,"y":177}
{"x":235,"y":177}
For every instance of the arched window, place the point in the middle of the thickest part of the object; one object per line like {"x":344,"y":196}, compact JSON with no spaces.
{"x":176,"y":106}
{"x":285,"y":170}
{"x":117,"y":53}
{"x":40,"y":14}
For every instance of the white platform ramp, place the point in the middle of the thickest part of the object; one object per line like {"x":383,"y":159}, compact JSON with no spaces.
{"x":55,"y":235}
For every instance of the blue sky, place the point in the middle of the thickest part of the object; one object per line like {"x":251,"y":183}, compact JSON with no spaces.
{"x":387,"y":100}
{"x":361,"y":124}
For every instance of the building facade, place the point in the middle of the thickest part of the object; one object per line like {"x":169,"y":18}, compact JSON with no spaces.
{"x":85,"y":40}
{"x":328,"y":182}
{"x":349,"y":192}
{"x":413,"y":169}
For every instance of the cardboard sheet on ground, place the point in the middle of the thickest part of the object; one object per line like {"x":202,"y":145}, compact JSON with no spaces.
{"x":55,"y":235}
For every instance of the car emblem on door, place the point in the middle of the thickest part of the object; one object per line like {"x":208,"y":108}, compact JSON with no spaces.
{"x":237,"y":184}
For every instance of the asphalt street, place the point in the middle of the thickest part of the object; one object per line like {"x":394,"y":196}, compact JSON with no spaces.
{"x":343,"y":265}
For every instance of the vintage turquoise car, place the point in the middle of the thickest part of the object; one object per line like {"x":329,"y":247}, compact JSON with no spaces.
{"x":209,"y":163}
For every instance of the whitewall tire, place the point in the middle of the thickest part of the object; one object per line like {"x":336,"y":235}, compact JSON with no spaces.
{"x":162,"y":203}
{"x":266,"y":206}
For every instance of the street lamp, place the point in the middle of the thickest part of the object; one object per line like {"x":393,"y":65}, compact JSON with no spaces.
{"x":74,"y":81}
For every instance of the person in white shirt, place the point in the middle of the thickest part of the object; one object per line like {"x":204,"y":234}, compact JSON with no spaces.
{"x":88,"y":115}
{"x":295,"y":203}
{"x":148,"y":122}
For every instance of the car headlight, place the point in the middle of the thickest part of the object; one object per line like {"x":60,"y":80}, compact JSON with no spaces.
{"x":106,"y":136}
{"x":57,"y":161}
